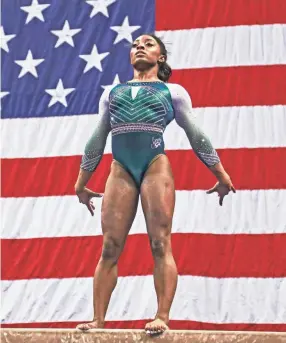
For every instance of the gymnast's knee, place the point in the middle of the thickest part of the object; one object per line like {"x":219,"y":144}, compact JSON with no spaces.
{"x":111,"y":250}
{"x":160,"y":246}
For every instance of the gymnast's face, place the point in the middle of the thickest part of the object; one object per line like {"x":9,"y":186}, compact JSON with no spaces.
{"x":145,"y":53}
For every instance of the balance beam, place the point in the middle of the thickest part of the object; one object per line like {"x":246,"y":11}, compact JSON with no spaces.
{"x":128,"y":336}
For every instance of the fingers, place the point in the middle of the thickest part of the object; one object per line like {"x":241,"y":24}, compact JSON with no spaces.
{"x":90,"y":207}
{"x":99,"y":195}
{"x":96,"y":195}
{"x":221,"y":196}
{"x":212,"y":190}
{"x":84,"y":198}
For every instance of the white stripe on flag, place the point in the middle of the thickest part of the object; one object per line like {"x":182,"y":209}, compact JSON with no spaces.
{"x":226,"y":46}
{"x":256,"y":212}
{"x":225,"y":300}
{"x":227,"y":127}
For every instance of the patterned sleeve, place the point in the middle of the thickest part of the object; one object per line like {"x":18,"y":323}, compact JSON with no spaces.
{"x":184,"y":117}
{"x":95,"y":145}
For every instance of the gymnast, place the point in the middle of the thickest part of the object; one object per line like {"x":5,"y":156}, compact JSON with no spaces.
{"x":137,"y":113}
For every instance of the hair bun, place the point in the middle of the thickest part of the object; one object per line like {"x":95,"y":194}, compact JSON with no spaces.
{"x":164,"y":72}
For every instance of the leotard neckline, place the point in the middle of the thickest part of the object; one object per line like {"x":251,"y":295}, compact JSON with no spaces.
{"x":142,"y":82}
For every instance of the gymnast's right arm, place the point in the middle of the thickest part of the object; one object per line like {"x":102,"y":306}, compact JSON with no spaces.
{"x":94,"y":147}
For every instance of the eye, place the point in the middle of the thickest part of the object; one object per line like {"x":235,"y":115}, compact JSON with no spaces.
{"x":134,"y":45}
{"x":150,"y":44}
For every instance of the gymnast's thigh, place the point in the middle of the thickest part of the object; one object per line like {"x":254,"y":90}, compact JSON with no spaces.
{"x":119,"y":204}
{"x":158,"y":197}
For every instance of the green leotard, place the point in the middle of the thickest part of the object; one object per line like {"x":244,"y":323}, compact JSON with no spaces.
{"x":137,"y":114}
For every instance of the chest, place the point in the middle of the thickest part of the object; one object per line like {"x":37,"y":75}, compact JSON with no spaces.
{"x":139,"y":104}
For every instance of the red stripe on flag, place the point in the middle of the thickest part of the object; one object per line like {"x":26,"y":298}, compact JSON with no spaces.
{"x":261,"y":168}
{"x":234,"y":86}
{"x":262,"y":255}
{"x":174,"y":325}
{"x":189,"y":14}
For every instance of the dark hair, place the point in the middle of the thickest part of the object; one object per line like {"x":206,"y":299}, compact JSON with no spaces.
{"x":165,"y":70}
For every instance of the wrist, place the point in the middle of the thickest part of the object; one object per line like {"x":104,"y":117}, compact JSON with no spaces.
{"x":219,"y":172}
{"x":224,"y":178}
{"x":79,"y":188}
{"x":82,"y":180}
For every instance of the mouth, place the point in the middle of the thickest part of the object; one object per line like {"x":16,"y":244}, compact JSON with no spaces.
{"x":140,"y":53}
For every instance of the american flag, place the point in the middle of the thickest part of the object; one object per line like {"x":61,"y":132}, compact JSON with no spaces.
{"x":57,"y":57}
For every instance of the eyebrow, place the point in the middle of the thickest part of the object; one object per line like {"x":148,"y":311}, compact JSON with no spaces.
{"x":148,"y":39}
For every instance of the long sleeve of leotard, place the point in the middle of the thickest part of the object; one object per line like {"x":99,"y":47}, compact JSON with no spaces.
{"x":94,"y":147}
{"x":184,"y":117}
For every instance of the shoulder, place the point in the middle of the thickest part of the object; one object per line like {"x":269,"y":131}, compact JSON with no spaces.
{"x":179,"y":94}
{"x":103,"y":105}
{"x":105,"y":96}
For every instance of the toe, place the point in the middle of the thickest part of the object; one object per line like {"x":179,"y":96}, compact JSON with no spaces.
{"x":83,"y":327}
{"x":148,"y":331}
{"x":155,"y":328}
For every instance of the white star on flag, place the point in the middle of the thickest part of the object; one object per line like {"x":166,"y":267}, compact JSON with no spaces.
{"x":34,"y":11}
{"x":4,"y":39}
{"x":124,"y":31}
{"x":116,"y":81}
{"x":29,"y":65}
{"x":99,"y":6}
{"x":65,"y":35}
{"x":94,"y":59}
{"x":2,"y":94}
{"x":59,"y":94}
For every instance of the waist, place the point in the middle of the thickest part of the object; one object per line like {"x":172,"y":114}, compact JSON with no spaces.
{"x":137,"y":143}
{"x":122,"y":128}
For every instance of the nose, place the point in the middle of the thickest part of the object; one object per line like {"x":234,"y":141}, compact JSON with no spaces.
{"x":140,"y":46}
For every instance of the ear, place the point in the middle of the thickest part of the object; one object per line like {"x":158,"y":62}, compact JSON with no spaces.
{"x":162,"y":59}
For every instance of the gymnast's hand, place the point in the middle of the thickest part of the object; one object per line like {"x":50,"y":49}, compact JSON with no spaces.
{"x":222,"y":187}
{"x":85,"y":195}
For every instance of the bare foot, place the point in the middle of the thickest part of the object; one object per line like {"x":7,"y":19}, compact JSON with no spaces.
{"x":156,"y":327}
{"x":90,"y":325}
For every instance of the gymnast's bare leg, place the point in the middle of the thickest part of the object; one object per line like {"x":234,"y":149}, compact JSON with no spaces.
{"x":158,"y":200}
{"x":118,"y":211}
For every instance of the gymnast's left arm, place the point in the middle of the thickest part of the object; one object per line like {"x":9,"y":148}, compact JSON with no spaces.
{"x":199,"y":141}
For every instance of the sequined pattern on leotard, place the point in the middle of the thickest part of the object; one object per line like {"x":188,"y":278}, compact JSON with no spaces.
{"x":139,"y":107}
